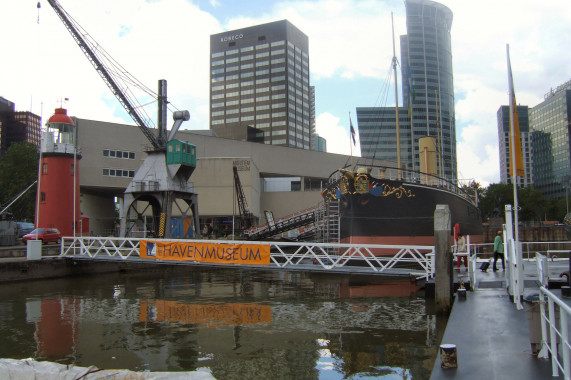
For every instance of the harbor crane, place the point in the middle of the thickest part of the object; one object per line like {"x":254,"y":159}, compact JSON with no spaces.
{"x":246,"y":218}
{"x":162,"y":181}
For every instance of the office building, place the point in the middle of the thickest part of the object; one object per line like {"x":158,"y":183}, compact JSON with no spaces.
{"x":550,"y":122}
{"x":17,"y":126}
{"x":377,"y":134}
{"x":504,"y":144}
{"x":320,"y":144}
{"x":427,"y":91}
{"x":259,"y":85}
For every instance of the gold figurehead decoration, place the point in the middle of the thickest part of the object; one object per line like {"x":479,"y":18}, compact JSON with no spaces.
{"x":362,"y":183}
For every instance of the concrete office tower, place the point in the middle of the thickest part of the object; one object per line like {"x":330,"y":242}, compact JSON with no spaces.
{"x":504,"y":144}
{"x":550,"y":122}
{"x":427,"y":94}
{"x":259,"y":85}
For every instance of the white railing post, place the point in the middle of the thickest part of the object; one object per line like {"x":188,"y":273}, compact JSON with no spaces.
{"x":552,"y":336}
{"x":565,"y":343}
{"x":558,"y":333}
{"x":543,"y":352}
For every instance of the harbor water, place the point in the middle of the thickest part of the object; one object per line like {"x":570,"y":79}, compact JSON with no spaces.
{"x":232,"y":323}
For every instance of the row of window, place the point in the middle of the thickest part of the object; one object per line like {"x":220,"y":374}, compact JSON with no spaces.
{"x":118,"y":154}
{"x":245,"y":58}
{"x":294,"y":52}
{"x":247,"y":109}
{"x":107,"y":172}
{"x":301,"y":106}
{"x":248,"y":92}
{"x":248,"y":49}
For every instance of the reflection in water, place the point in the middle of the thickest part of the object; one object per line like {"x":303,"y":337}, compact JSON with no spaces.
{"x":234,"y":323}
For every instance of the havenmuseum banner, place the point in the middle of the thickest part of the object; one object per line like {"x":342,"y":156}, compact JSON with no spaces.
{"x":247,"y":254}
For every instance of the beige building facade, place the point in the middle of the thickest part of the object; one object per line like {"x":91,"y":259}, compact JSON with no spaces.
{"x":280,"y":179}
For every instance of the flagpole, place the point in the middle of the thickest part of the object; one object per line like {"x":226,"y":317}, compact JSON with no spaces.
{"x":516,"y":268}
{"x":396,"y":100}
{"x":512,"y":150}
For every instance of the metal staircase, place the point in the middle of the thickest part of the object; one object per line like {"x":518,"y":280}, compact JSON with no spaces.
{"x":324,"y":218}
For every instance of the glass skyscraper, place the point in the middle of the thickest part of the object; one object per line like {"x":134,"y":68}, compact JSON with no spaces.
{"x":504,"y":144}
{"x":551,"y":143}
{"x":427,"y":90}
{"x":259,"y":85}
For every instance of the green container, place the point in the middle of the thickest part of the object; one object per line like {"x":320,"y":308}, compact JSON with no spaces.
{"x":181,"y":152}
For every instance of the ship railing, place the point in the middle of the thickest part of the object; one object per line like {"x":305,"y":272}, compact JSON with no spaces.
{"x":413,"y":177}
{"x":411,"y":261}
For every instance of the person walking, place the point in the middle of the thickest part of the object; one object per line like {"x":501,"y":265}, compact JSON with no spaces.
{"x":499,"y":250}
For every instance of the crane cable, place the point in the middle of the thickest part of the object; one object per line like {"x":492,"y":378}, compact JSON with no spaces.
{"x":119,"y":72}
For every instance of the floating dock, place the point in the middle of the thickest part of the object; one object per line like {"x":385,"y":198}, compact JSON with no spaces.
{"x":492,"y":337}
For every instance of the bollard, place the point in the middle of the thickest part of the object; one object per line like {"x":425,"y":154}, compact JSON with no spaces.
{"x":448,"y":356}
{"x":443,"y":289}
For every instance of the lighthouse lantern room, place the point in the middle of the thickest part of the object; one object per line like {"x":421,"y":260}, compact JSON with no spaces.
{"x":58,"y":179}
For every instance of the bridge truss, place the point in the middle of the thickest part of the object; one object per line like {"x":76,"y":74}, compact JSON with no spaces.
{"x":415,"y":262}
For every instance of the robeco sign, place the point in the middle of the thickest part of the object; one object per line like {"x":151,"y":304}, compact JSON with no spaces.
{"x":231,"y":38}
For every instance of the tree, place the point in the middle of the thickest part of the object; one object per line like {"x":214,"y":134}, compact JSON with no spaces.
{"x":493,"y":200}
{"x":533,"y":206}
{"x":18,"y":170}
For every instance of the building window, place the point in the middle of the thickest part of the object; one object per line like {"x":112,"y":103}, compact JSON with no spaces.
{"x":45,"y":169}
{"x":43,"y":196}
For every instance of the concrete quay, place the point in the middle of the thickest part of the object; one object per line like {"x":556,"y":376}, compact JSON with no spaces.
{"x":491,"y":335}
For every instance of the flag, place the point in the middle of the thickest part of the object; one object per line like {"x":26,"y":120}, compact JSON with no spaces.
{"x":514,"y":122}
{"x":352,"y":132}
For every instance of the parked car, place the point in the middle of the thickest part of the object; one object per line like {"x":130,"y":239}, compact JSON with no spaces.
{"x":46,"y":235}
{"x":24,"y":228}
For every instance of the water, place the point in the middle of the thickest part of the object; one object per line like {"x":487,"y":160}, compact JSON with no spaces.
{"x":234,"y":324}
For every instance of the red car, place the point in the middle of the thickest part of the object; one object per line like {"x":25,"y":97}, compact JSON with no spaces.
{"x":46,"y":235}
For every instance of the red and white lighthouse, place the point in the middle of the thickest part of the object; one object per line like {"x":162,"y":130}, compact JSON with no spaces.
{"x":58,"y":179}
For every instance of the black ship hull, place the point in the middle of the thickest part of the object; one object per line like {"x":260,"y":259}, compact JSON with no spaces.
{"x":384,"y":211}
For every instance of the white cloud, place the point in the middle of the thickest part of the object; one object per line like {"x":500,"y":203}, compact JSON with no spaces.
{"x":159,"y":40}
{"x":478,"y":155}
{"x":337,"y":136}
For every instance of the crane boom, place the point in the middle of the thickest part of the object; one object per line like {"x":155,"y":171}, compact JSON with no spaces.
{"x":158,"y":145}
{"x":245,"y":214}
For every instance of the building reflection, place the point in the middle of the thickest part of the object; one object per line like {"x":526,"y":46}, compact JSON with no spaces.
{"x":241,"y":324}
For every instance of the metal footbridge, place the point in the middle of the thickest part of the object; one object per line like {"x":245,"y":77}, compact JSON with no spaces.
{"x":415,"y":262}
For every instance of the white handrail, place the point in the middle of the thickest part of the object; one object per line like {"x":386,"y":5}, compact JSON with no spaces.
{"x":558,"y":332}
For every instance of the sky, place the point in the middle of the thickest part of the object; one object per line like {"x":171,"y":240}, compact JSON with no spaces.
{"x":350,"y":52}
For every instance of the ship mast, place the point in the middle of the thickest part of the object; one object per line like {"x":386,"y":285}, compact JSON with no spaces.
{"x":396,"y":98}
